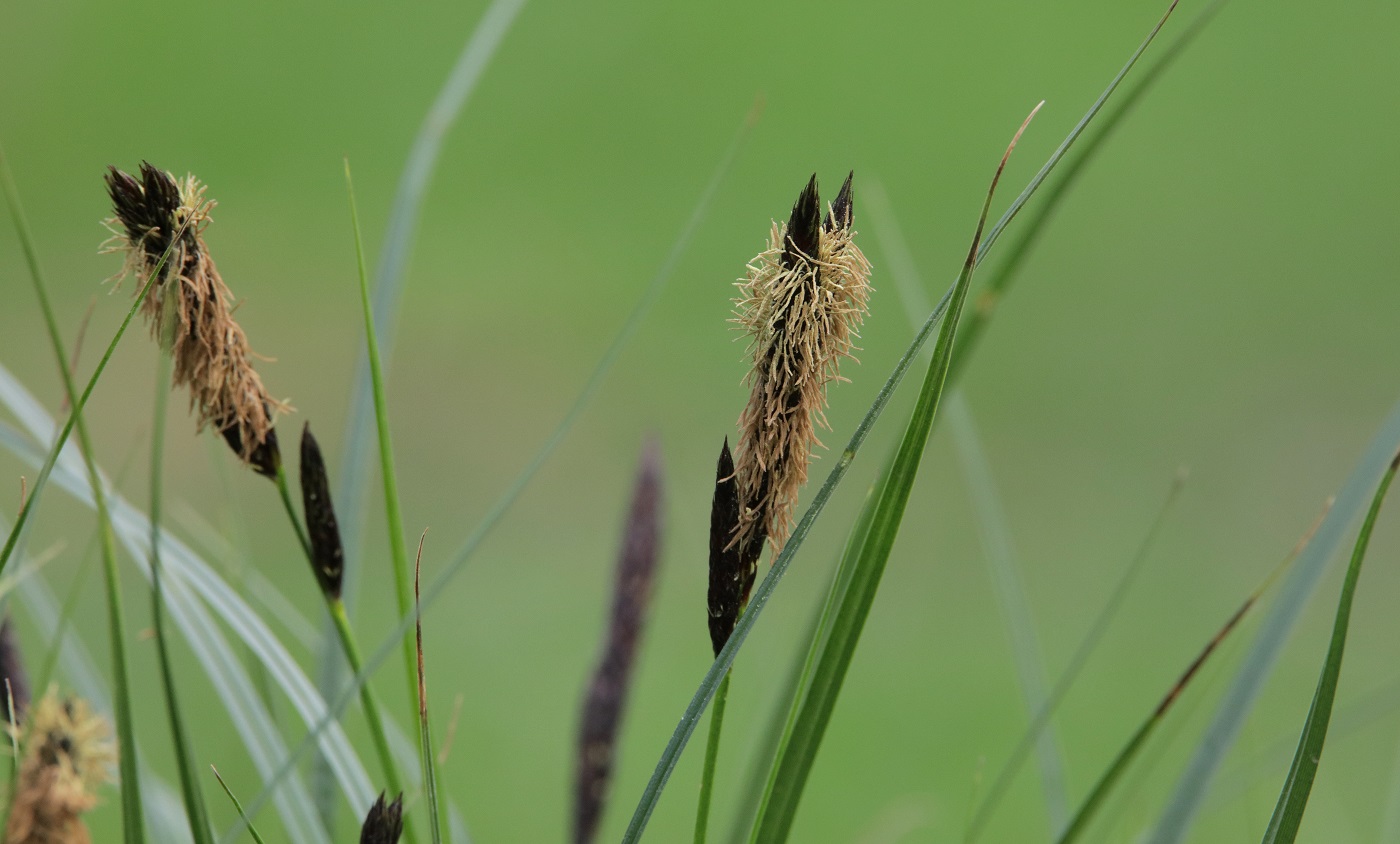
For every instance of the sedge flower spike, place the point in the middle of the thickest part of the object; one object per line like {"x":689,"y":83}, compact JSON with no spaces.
{"x":194,"y":317}
{"x":68,"y":753}
{"x":801,"y":303}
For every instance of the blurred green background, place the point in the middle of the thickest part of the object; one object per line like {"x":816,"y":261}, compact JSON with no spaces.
{"x":1219,"y":292}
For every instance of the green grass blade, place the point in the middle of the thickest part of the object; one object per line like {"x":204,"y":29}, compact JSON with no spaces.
{"x":451,"y":99}
{"x":1119,"y":766}
{"x":590,"y":388}
{"x":133,"y":822}
{"x":705,"y":691}
{"x":707,"y":776}
{"x":195,"y":812}
{"x":398,"y":551}
{"x":436,"y":809}
{"x":252,"y":830}
{"x":797,"y":755}
{"x":27,"y":244}
{"x":1005,"y":566}
{"x":999,"y":279}
{"x":1302,"y":580}
{"x":1293,"y":799}
{"x":991,"y":518}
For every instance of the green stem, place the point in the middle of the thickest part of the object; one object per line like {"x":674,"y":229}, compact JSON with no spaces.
{"x":195,"y":811}
{"x":367,"y":700}
{"x":707,"y":778}
{"x":398,"y":548}
{"x":285,"y":493}
{"x":133,"y":824}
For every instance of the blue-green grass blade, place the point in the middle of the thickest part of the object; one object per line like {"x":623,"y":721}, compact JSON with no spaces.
{"x":337,"y":704}
{"x":992,"y":521}
{"x":1293,"y":799}
{"x":1000,"y":278}
{"x":414,"y":181}
{"x":133,"y":821}
{"x":681,"y":736}
{"x":1195,"y":781}
{"x":798,"y":754}
{"x":193,"y":796}
{"x":252,"y":830}
{"x":21,"y":525}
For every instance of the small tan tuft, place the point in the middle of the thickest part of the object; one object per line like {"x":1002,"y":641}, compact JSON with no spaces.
{"x":68,"y":754}
{"x":211,"y":353}
{"x":802,"y":312}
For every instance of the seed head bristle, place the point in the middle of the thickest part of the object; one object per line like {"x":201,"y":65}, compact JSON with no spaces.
{"x":327,"y":552}
{"x":211,"y":353}
{"x":68,"y":754}
{"x":384,"y":822}
{"x":801,"y":302}
{"x":605,"y":701}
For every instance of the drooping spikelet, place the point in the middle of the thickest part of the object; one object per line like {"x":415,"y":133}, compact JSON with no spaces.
{"x":327,"y":551}
{"x":729,"y":580}
{"x":68,"y":753}
{"x":211,"y":353}
{"x":605,"y":700}
{"x":14,"y":680}
{"x":801,"y":303}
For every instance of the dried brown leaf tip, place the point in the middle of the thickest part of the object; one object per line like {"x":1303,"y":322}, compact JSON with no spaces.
{"x":384,"y":823}
{"x":606,"y":698}
{"x":68,"y":753}
{"x":156,"y":214}
{"x":327,"y":553}
{"x":731,"y":578}
{"x":801,"y":302}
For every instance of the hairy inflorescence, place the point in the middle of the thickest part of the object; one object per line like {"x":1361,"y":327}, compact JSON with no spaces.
{"x":801,"y":303}
{"x":156,"y":215}
{"x":68,"y":753}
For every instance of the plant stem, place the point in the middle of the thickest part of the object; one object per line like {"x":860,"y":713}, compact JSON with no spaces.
{"x":707,"y":778}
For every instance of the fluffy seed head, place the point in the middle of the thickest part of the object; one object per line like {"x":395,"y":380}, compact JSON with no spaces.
{"x":194,"y":315}
{"x":68,"y":753}
{"x":801,"y":302}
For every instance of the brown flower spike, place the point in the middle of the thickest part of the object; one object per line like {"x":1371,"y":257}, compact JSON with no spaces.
{"x":67,"y":754}
{"x":801,"y":303}
{"x":211,"y":353}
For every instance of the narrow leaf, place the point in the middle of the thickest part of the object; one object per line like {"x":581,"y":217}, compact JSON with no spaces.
{"x":1293,"y":799}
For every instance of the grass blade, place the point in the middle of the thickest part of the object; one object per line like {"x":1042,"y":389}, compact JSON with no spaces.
{"x":195,"y":813}
{"x":991,"y":519}
{"x":425,"y":736}
{"x":1293,"y":799}
{"x":339,"y":702}
{"x":867,"y":563}
{"x":452,"y":97}
{"x":1191,"y":788}
{"x":133,"y":821}
{"x":398,"y":551}
{"x":252,"y":830}
{"x":706,"y":690}
{"x":27,"y":244}
{"x":707,"y":776}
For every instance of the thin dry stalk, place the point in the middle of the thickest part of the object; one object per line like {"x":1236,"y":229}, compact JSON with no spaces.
{"x":210,"y":351}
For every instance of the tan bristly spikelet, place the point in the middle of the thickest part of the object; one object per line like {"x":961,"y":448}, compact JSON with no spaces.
{"x":68,"y":754}
{"x":801,"y":302}
{"x":210,"y":351}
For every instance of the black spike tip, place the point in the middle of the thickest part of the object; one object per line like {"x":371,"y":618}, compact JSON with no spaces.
{"x":726,"y":569}
{"x":384,"y":823}
{"x":842,"y":213}
{"x":804,"y":226}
